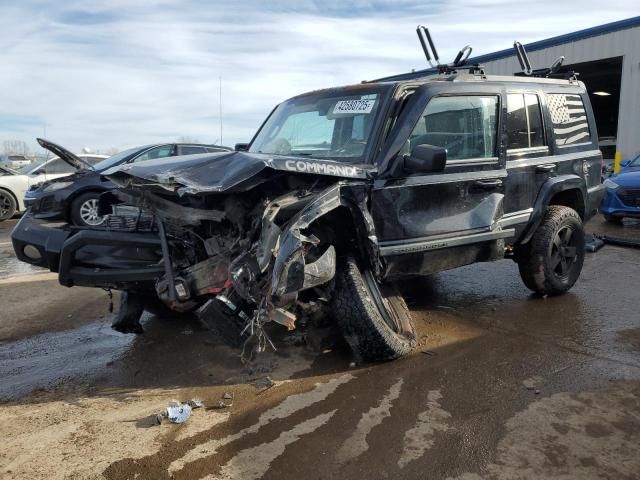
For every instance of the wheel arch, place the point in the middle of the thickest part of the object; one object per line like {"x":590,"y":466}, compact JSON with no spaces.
{"x":72,"y":198}
{"x":567,"y":190}
{"x":338,"y":217}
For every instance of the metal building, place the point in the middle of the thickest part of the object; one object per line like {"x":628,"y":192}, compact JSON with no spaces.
{"x":607,"y":59}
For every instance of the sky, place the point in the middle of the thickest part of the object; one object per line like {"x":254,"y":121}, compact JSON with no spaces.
{"x":116,"y":74}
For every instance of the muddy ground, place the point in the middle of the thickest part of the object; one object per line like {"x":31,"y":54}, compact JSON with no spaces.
{"x":504,"y":385}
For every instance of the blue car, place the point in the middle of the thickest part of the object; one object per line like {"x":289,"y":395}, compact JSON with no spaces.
{"x":622,"y":197}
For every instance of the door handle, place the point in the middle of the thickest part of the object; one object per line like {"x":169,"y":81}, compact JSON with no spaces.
{"x":487,"y":184}
{"x":546,"y":168}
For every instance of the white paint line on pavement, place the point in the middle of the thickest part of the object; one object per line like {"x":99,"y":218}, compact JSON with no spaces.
{"x":356,"y":444}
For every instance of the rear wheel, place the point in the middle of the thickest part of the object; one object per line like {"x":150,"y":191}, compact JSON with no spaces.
{"x":374,"y":318}
{"x":8,"y":205}
{"x":552,"y":261}
{"x":84,"y":210}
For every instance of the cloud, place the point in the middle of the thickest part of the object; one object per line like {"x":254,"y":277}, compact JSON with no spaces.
{"x":119,"y":73}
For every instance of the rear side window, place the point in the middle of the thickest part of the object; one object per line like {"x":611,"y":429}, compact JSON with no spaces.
{"x":191,"y":150}
{"x":524,"y":121}
{"x":158,"y":152}
{"x":569,"y":118}
{"x":465,"y":126}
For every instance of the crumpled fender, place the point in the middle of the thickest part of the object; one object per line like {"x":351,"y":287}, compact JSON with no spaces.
{"x":290,"y":271}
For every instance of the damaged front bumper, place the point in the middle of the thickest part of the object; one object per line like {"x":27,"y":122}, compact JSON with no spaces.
{"x":91,"y":258}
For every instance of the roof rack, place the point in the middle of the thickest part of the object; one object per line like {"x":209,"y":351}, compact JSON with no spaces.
{"x":550,"y":72}
{"x":459,"y":63}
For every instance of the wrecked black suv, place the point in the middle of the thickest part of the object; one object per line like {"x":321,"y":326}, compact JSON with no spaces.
{"x":341,"y":193}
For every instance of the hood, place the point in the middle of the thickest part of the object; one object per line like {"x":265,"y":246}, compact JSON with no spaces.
{"x":223,"y":171}
{"x":628,"y":177}
{"x":64,"y":154}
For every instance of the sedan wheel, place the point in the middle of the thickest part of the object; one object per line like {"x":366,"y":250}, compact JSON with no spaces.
{"x":7,"y":206}
{"x":84,"y":211}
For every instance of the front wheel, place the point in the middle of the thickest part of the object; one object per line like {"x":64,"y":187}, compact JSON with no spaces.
{"x":84,"y":210}
{"x":8,"y":205}
{"x":373,"y":317}
{"x":552,"y":261}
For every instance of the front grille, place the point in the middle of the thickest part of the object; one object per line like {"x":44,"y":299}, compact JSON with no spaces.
{"x":629,"y":196}
{"x":46,"y":203}
{"x":129,"y":219}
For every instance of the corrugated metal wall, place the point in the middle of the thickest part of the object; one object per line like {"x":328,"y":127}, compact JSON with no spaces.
{"x":625,"y":43}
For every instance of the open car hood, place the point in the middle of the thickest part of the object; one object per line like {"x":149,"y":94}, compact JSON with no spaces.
{"x":64,"y":154}
{"x":223,"y":171}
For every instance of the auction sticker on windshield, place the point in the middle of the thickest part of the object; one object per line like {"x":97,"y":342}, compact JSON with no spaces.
{"x":353,"y":106}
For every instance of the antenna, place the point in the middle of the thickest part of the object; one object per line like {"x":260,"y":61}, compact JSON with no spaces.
{"x":220,"y":107}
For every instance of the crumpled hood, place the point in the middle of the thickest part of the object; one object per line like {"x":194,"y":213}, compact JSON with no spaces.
{"x":222,"y":171}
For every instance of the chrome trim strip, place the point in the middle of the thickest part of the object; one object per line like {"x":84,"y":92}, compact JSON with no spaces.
{"x":441,"y":178}
{"x":411,"y":246}
{"x":514,"y":218}
{"x":529,"y":162}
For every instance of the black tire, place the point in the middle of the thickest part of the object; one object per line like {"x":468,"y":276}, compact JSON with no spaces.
{"x":374,"y":319}
{"x":612,"y":219}
{"x":127,"y":318}
{"x":82,"y":213}
{"x":552,"y":261}
{"x":8,"y":205}
{"x":228,"y":324}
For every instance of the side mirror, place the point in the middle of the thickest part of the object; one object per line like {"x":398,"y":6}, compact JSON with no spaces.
{"x":241,"y":147}
{"x":425,"y":159}
{"x":625,"y":163}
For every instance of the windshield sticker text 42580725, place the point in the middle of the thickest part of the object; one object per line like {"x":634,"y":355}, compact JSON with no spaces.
{"x":353,"y":106}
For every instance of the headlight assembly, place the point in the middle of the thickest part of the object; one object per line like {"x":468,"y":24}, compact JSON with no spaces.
{"x":610,"y":184}
{"x":56,"y":186}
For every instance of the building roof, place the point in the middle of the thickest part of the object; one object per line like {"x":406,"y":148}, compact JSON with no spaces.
{"x":534,"y":46}
{"x":561,"y":39}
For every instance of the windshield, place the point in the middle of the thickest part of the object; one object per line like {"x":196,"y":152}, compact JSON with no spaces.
{"x":32,"y":166}
{"x":337,"y":124}
{"x":635,"y":162}
{"x":116,"y":159}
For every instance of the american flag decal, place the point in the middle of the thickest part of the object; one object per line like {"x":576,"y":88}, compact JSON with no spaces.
{"x":569,"y":118}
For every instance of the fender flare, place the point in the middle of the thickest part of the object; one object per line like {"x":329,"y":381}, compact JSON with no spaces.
{"x":551,"y":187}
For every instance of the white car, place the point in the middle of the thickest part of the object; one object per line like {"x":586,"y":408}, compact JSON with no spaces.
{"x":14,"y":183}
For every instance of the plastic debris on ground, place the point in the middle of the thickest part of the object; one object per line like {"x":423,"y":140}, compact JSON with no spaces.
{"x":179,"y":412}
{"x":227,"y":400}
{"x":264,"y":383}
{"x":592,"y":243}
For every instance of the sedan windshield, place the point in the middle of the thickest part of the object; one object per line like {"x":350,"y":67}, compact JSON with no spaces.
{"x":116,"y":159}
{"x":335,"y":124}
{"x":635,"y":162}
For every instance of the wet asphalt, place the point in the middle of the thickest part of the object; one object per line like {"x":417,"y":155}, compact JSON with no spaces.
{"x":504,"y":384}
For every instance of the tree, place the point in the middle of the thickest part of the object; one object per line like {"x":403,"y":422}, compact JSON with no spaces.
{"x":15,"y":147}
